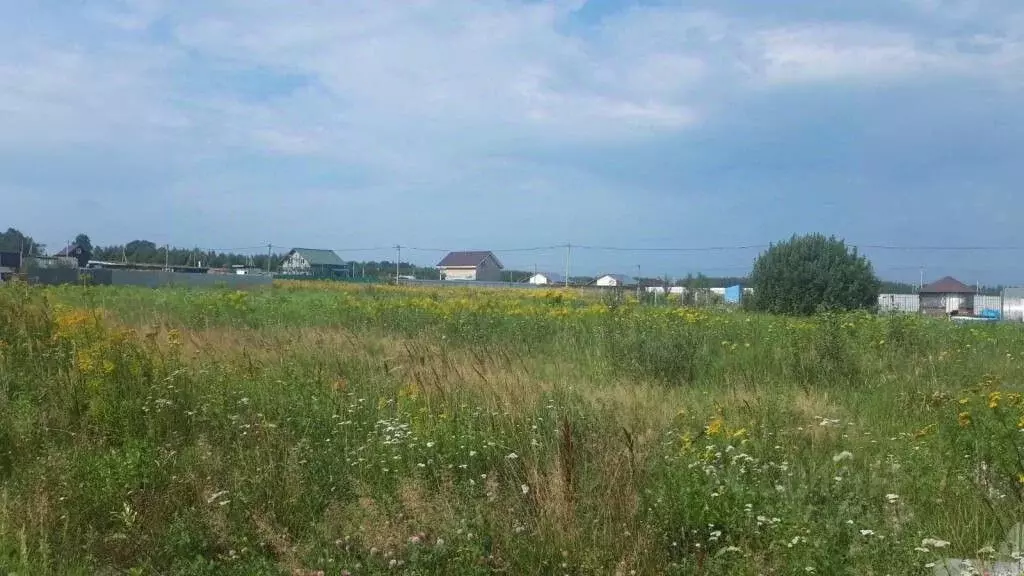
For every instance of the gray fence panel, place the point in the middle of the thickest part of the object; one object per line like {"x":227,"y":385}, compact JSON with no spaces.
{"x":156,"y":279}
{"x":899,"y":303}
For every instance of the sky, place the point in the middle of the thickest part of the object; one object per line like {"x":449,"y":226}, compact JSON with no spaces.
{"x":510,"y":124}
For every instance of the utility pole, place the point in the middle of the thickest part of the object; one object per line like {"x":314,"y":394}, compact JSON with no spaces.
{"x":398,"y":262}
{"x":270,"y":248}
{"x":921,"y":284}
{"x":638,"y":282}
{"x":167,"y":256}
{"x":568,"y":255}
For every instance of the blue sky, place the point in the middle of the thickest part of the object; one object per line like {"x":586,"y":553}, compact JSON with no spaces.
{"x":466,"y":124}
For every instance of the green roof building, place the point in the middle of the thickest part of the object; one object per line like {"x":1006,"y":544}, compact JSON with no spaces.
{"x":314,"y":263}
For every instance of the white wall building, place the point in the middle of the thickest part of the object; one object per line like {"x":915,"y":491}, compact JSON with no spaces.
{"x":546,"y":279}
{"x":614,"y":281}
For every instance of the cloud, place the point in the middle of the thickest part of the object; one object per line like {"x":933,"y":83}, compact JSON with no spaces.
{"x":460,"y":109}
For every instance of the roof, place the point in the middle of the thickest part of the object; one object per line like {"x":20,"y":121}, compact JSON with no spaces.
{"x":319,"y":257}
{"x":551,"y":276}
{"x":470,"y":259}
{"x":68,"y":251}
{"x":620,"y":278}
{"x":947,"y":285}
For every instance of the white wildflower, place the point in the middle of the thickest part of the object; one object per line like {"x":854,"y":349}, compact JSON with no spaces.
{"x":866,"y":532}
{"x":892,"y":498}
{"x":512,"y":456}
{"x":525,"y":488}
{"x":844,"y":455}
{"x":934,"y":543}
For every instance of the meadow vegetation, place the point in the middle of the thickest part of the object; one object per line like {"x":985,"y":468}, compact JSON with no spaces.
{"x":320,"y":428}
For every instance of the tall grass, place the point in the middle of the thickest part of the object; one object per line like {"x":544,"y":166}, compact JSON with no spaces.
{"x":376,"y":430}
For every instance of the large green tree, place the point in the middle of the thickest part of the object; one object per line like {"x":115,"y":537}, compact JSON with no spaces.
{"x":13,"y":240}
{"x":808,"y":274}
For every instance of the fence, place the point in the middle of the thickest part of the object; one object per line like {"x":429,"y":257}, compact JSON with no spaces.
{"x":476,"y":284}
{"x":146,"y":278}
{"x":1013,"y":304}
{"x":899,"y":303}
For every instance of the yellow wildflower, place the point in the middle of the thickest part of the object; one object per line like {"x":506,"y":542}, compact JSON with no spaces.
{"x":924,"y":431}
{"x":964,"y":419}
{"x":714,"y":427}
{"x":993,"y":399}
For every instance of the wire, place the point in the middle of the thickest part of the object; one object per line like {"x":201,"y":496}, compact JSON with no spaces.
{"x":702,"y":249}
{"x":937,"y":248}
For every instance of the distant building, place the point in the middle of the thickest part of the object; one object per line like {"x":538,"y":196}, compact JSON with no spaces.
{"x":480,"y":265}
{"x":73,"y":255}
{"x":313,"y":262}
{"x":546,"y":279}
{"x":10,"y":264}
{"x":947,"y":297}
{"x":615,"y":281}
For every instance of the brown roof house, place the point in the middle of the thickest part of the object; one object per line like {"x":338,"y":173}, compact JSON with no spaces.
{"x":947,"y":297}
{"x":474,"y":265}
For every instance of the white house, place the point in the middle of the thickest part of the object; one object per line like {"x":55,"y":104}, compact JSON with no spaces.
{"x":614,"y":281}
{"x":473,"y":265}
{"x":546,"y":279}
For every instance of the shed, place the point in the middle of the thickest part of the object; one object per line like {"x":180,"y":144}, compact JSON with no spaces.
{"x":546,"y":279}
{"x":947,"y":297}
{"x":471,"y":265}
{"x":313,"y":262}
{"x":614,"y":281}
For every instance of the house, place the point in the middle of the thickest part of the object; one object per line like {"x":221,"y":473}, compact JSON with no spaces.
{"x":313,"y":262}
{"x":72,"y":255}
{"x":947,"y":297}
{"x":473,"y":265}
{"x":546,"y":279}
{"x":614,"y":281}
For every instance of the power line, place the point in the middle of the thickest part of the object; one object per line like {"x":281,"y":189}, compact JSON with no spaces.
{"x":497,"y":251}
{"x":938,"y":248}
{"x":695,"y":249}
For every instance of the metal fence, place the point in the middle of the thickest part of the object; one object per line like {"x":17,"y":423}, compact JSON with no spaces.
{"x":899,"y":303}
{"x":146,"y":278}
{"x":475,"y":284}
{"x":1013,"y":304}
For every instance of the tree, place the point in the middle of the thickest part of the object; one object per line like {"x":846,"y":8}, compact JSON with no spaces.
{"x":807,"y":274}
{"x":83,"y":247}
{"x":14,"y":241}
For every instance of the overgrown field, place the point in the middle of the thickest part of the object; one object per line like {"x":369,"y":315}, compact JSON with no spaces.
{"x":373,"y":430}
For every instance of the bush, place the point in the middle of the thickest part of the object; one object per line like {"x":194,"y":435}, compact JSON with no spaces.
{"x":808,"y":274}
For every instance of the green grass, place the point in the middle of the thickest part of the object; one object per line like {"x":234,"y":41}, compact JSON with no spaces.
{"x":311,"y":428}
